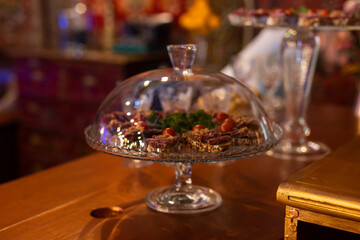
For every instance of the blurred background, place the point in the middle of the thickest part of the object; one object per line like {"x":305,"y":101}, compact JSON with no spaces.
{"x":60,"y":58}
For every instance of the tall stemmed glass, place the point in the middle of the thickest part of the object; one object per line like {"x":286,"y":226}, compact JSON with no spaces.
{"x":300,"y":48}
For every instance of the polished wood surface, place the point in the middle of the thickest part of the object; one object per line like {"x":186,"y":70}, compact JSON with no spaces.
{"x":56,"y":203}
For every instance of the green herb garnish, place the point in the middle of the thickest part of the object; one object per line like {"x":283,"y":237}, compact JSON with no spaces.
{"x":154,"y":117}
{"x":182,"y":123}
{"x":202,"y":118}
{"x":178,"y":121}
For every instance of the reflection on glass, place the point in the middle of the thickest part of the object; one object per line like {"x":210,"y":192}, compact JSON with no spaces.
{"x":271,"y":76}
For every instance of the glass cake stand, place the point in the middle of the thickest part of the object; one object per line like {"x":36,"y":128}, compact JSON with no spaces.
{"x":183,"y":196}
{"x":300,"y":50}
{"x":198,"y":93}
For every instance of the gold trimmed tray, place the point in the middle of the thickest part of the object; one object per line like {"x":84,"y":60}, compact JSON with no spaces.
{"x":326,"y":192}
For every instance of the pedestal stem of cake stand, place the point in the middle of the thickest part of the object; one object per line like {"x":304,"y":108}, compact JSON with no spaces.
{"x":183,"y":197}
{"x":183,"y":177}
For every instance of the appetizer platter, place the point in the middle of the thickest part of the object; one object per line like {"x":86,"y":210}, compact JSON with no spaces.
{"x":182,"y":115}
{"x":318,"y":19}
{"x":153,"y":134}
{"x":179,"y":135}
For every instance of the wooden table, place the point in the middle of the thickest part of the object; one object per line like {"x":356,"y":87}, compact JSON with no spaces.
{"x":56,"y":203}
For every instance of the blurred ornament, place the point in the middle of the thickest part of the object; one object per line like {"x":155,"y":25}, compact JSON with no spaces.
{"x":199,"y":18}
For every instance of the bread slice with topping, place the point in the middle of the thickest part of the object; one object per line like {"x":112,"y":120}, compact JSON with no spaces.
{"x":205,"y":140}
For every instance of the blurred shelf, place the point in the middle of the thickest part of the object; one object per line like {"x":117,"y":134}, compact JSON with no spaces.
{"x":85,"y":55}
{"x":59,"y":93}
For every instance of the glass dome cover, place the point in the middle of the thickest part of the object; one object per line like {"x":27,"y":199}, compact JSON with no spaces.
{"x":182,"y":114}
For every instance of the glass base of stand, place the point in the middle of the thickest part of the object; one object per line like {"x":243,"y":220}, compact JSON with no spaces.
{"x":301,"y":152}
{"x":168,"y":200}
{"x":136,"y":163}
